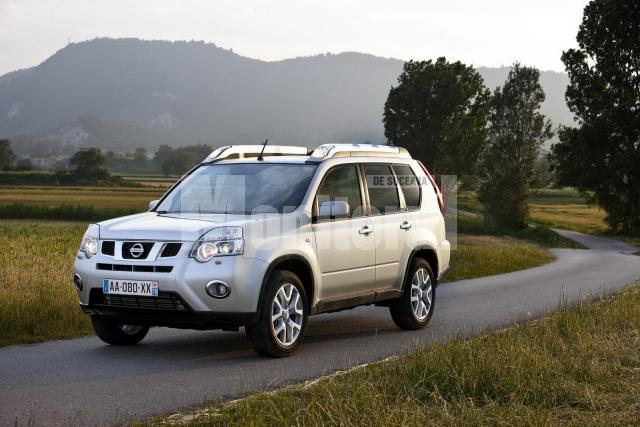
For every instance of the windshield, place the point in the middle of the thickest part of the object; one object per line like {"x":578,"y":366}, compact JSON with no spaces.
{"x":240,"y":188}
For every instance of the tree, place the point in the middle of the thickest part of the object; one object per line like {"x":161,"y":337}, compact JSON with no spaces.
{"x":140,"y":157}
{"x":439,"y":113}
{"x":7,"y":157}
{"x":162,"y":159}
{"x":517,"y":131}
{"x":602,"y":154}
{"x":180,"y":160}
{"x":90,"y":165}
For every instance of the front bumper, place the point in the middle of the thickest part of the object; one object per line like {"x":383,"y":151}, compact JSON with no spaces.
{"x":203,"y":320}
{"x":180,"y":276}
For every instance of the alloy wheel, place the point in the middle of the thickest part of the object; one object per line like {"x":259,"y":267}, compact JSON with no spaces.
{"x":287,"y":315}
{"x":421,"y":294}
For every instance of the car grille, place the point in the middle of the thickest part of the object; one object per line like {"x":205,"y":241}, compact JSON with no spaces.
{"x":164,"y":301}
{"x":136,"y":268}
{"x":127,"y":246}
{"x":108,"y":247}
{"x":170,"y":249}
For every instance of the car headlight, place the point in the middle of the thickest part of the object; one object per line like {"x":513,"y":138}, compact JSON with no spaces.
{"x":221,"y":241}
{"x":89,"y":243}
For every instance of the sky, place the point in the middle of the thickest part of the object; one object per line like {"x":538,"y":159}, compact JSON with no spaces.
{"x":481,"y":33}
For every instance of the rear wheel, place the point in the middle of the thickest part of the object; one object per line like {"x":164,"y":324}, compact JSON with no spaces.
{"x":282,"y":318}
{"x":415,"y":308}
{"x":118,"y":334}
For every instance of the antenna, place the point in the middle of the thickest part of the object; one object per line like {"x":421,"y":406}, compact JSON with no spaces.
{"x":266,"y":141}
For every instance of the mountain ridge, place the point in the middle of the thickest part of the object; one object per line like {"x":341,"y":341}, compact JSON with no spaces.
{"x":120,"y":94}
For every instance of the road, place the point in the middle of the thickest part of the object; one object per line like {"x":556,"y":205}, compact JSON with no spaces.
{"x":83,"y":381}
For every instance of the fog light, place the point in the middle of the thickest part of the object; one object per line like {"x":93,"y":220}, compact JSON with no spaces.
{"x":218,"y":289}
{"x":77,"y":282}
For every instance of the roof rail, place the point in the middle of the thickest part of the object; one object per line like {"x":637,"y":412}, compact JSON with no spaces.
{"x":245,"y":151}
{"x":327,"y":151}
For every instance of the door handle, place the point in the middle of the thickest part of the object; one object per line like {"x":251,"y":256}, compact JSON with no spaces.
{"x":366,"y":230}
{"x":405,"y":225}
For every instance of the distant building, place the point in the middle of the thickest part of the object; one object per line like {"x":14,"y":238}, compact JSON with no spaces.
{"x":50,"y":162}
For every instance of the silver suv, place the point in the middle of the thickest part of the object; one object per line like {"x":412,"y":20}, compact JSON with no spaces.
{"x":263,"y":237}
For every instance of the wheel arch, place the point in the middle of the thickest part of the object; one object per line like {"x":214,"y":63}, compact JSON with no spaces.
{"x":427,"y":253}
{"x":296,"y":264}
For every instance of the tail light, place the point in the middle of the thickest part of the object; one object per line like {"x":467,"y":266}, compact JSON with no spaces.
{"x":435,"y":186}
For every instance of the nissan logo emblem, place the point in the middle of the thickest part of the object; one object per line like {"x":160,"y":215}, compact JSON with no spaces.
{"x":136,"y":250}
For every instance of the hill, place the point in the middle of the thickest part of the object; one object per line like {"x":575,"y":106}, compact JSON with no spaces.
{"x":119,"y":94}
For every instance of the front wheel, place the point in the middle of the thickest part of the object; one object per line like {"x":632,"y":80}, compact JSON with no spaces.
{"x":282,"y":318}
{"x":117,"y":334}
{"x":415,"y":308}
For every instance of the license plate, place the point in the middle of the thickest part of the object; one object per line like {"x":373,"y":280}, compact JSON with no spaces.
{"x":146,"y":288}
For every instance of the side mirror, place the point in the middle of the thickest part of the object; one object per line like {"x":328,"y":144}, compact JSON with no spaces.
{"x":334,"y":209}
{"x":153,"y":204}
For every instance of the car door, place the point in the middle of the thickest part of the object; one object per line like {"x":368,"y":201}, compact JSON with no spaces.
{"x":345,"y":246}
{"x":391,"y":225}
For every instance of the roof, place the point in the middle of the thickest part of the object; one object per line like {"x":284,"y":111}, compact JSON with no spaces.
{"x":294,"y":154}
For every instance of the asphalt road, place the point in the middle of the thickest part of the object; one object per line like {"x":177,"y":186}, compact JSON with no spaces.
{"x":84,"y":381}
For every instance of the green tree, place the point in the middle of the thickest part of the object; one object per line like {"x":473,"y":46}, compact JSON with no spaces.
{"x":184,"y":161}
{"x":180,"y":160}
{"x":90,"y":165}
{"x":517,"y":131}
{"x":7,"y":157}
{"x":140,"y":157}
{"x":162,"y":159}
{"x":602,"y":154}
{"x":439,"y":113}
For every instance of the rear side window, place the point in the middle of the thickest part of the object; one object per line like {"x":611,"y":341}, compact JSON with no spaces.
{"x":383,"y":190}
{"x":409,"y":184}
{"x":341,"y":184}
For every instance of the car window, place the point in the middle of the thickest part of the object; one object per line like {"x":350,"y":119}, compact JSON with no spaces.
{"x":383,"y":191}
{"x":341,"y":184}
{"x":240,"y":188}
{"x":409,"y":184}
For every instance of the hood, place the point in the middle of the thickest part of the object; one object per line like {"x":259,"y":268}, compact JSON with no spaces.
{"x":166,"y":227}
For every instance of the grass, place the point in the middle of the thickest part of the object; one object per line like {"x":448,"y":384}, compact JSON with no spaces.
{"x":579,"y":366}
{"x":38,"y":303}
{"x":539,"y":235}
{"x":148,"y":179}
{"x":37,"y":298}
{"x":62,"y":212}
{"x":559,"y":208}
{"x":478,"y":256}
{"x":97,"y":197}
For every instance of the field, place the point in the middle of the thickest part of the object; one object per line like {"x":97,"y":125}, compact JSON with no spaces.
{"x":99,"y":197}
{"x":149,"y":180}
{"x":579,"y":366}
{"x":38,"y":302}
{"x":560,"y":208}
{"x":566,"y":209}
{"x":37,"y":298}
{"x":74,"y":203}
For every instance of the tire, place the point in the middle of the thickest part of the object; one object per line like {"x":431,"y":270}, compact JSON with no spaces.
{"x":279,"y":331}
{"x":406,"y":311}
{"x":116,"y":334}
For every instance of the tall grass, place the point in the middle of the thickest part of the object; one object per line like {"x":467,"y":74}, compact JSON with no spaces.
{"x":37,"y":298}
{"x":580,"y":366}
